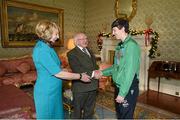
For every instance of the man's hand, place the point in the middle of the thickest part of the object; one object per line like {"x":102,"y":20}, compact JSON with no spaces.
{"x":119,"y":99}
{"x":97,"y":74}
{"x":65,"y":69}
{"x":85,"y":77}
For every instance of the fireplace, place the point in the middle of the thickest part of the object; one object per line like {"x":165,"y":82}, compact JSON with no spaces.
{"x":111,"y":54}
{"x":107,"y":55}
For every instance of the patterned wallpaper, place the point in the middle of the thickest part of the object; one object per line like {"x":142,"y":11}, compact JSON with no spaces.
{"x":74,"y":21}
{"x":166,"y":21}
{"x":165,"y":15}
{"x":93,"y":16}
{"x":98,"y":17}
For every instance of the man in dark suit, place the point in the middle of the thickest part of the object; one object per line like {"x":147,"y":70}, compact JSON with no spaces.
{"x":81,"y":59}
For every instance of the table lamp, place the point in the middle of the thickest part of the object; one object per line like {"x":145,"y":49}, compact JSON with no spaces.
{"x":70,"y":44}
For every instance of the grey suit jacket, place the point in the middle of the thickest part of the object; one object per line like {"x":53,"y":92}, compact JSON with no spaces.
{"x":80,"y":62}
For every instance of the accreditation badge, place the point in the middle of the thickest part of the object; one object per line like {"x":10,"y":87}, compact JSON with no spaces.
{"x":118,"y":55}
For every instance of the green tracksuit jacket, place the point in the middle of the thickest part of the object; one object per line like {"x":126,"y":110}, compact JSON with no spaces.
{"x":126,"y":65}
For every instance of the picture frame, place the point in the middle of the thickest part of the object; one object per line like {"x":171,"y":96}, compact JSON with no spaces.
{"x":18,"y":21}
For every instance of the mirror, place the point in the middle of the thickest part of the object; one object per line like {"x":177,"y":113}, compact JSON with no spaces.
{"x":125,"y":9}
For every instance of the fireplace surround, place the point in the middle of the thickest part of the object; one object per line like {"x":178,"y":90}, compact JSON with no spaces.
{"x":107,"y":54}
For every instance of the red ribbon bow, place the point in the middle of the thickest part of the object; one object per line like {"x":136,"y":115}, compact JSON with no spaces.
{"x":147,"y":36}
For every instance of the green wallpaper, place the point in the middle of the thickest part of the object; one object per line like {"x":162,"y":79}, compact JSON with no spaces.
{"x":74,"y":17}
{"x":93,"y":16}
{"x":165,"y":15}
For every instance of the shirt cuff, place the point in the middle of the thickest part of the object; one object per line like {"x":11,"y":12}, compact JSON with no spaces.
{"x":92,"y":75}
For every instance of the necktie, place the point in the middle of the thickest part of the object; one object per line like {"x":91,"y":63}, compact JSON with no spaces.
{"x":85,"y":51}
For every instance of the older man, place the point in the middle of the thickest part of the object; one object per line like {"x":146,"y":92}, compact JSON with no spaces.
{"x":81,"y":59}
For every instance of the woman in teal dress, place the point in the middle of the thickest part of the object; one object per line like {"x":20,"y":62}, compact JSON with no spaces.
{"x":48,"y":86}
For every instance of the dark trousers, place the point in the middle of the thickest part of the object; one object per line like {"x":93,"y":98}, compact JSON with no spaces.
{"x":84,"y":104}
{"x":126,"y":110}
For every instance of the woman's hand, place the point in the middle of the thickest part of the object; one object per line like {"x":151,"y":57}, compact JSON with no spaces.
{"x":84,"y":77}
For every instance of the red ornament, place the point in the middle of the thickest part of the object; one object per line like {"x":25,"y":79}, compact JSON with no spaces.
{"x":100,"y":41}
{"x":147,"y":36}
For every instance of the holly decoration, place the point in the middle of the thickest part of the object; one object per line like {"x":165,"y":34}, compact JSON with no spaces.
{"x":100,"y":39}
{"x":153,"y":41}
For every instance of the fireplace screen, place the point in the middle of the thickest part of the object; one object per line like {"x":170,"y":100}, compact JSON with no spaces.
{"x":111,"y":56}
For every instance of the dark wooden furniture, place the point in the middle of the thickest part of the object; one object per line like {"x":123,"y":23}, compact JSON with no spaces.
{"x":167,"y":69}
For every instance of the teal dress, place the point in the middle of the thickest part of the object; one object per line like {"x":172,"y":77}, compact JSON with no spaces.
{"x":48,"y":88}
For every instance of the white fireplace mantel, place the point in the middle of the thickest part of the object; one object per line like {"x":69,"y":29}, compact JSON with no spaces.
{"x":109,"y":44}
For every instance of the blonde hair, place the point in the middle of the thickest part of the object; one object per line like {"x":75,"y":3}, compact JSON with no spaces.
{"x":44,"y":29}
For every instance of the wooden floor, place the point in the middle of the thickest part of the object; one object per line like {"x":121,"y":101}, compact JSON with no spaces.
{"x":160,"y":100}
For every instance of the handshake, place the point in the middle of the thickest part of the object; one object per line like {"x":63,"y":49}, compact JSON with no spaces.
{"x":97,"y":74}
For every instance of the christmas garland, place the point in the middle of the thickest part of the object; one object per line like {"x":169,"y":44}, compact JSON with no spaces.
{"x":100,"y":40}
{"x":153,"y":41}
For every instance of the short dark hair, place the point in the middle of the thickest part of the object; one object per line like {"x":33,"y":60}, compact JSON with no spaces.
{"x":119,"y":23}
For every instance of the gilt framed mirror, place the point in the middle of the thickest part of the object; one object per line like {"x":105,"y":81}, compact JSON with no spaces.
{"x":125,"y":9}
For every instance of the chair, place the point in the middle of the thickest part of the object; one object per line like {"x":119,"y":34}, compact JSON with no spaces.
{"x":67,"y":96}
{"x":105,"y":81}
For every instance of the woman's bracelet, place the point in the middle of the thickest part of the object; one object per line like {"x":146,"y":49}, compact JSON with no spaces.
{"x":80,"y":76}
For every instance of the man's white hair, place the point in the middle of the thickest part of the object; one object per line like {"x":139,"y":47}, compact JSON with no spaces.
{"x":76,"y":37}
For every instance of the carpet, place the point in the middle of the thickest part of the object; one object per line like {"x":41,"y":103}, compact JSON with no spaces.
{"x":99,"y":113}
{"x":142,"y":111}
{"x":105,"y":108}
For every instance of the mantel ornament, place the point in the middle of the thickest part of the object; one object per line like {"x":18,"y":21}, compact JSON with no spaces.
{"x":120,"y":14}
